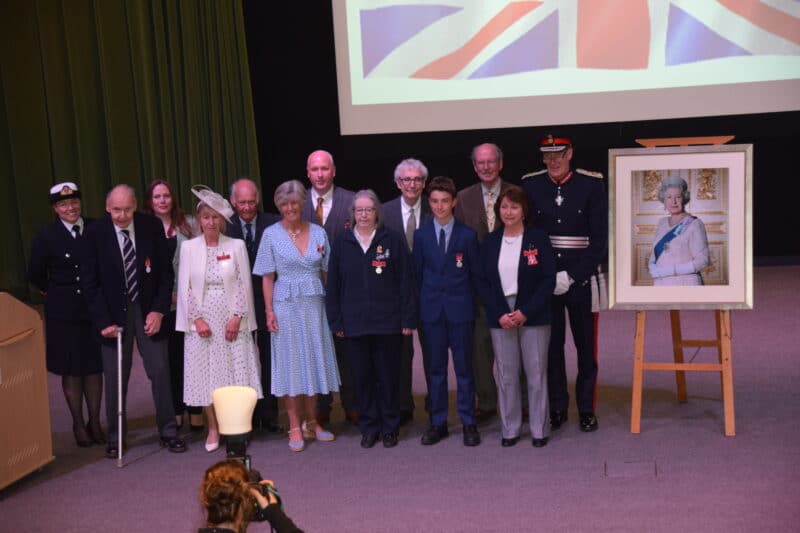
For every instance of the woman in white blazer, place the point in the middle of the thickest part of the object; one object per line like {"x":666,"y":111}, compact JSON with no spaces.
{"x":215,"y":310}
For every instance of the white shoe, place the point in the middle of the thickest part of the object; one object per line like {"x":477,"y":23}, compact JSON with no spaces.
{"x":211,"y":446}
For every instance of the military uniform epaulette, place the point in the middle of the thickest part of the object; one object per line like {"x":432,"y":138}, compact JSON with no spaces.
{"x":598,"y":175}
{"x":538,"y":172}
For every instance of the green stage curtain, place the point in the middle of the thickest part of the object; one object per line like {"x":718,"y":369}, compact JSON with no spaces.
{"x":103,"y":92}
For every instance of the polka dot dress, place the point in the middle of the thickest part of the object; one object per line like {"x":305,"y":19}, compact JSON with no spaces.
{"x":303,"y":357}
{"x":214,"y":362}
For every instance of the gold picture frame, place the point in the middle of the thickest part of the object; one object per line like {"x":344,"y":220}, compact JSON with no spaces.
{"x":720,"y":185}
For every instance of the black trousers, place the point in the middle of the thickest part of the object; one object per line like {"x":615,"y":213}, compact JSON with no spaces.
{"x":577,"y":303}
{"x":156,"y":366}
{"x":267,"y":407}
{"x":375,"y":364}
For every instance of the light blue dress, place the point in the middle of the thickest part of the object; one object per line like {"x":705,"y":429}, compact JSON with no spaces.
{"x":303,"y":357}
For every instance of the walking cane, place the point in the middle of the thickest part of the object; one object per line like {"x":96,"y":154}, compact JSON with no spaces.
{"x":119,"y":398}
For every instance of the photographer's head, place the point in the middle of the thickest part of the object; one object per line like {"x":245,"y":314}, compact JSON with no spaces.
{"x":225,"y":494}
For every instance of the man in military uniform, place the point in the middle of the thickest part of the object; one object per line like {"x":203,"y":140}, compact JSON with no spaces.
{"x":572,"y":207}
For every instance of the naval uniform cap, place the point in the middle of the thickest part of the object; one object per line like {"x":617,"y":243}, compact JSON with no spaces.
{"x":63,"y":191}
{"x":554,"y":144}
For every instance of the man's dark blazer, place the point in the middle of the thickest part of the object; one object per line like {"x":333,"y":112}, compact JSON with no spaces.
{"x":103,"y":276}
{"x":471,"y":208}
{"x":444,"y":288}
{"x":54,"y":268}
{"x":361,"y":301}
{"x":535,"y":282}
{"x":393,"y":215}
{"x":337,"y":220}
{"x":234,"y":230}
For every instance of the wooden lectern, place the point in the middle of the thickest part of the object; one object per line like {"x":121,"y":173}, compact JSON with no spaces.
{"x":25,"y":442}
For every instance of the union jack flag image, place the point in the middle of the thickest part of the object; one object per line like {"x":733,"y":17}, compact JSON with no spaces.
{"x":605,"y":44}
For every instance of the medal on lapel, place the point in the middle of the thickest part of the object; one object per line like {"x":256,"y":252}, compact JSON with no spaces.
{"x":147,"y":264}
{"x":380,"y":259}
{"x":530,"y":254}
{"x":459,"y":260}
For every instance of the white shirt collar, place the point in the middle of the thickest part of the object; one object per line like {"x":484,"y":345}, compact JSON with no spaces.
{"x":406,"y":208}
{"x":327,"y":198}
{"x":69,"y":226}
{"x":495,"y":189}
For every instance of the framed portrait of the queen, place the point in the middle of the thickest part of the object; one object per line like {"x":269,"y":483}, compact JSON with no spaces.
{"x":680,"y":223}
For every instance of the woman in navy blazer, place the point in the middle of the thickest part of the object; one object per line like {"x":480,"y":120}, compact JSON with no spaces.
{"x":370,"y":303}
{"x":519,"y":272}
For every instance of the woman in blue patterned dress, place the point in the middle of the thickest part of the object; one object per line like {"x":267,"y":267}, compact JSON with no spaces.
{"x":293,"y":260}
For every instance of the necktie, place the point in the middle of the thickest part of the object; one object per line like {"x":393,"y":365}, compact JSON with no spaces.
{"x":129,"y":262}
{"x":490,"y":211}
{"x":411,"y":225}
{"x":248,"y":236}
{"x":76,"y":230}
{"x":319,"y":211}
{"x":442,"y":242}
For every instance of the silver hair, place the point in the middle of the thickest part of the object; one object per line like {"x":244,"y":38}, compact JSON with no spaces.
{"x":497,"y":151}
{"x":674,"y":182}
{"x":367,"y":193}
{"x":415,"y":164}
{"x":288,"y":191}
{"x":327,"y":153}
{"x":244,"y":180}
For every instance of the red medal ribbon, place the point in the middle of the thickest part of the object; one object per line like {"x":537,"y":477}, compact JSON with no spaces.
{"x":379,"y":263}
{"x":563,"y":180}
{"x":223,"y":257}
{"x":530,"y":255}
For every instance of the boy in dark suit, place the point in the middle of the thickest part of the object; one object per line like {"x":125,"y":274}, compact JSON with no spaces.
{"x":445,"y":260}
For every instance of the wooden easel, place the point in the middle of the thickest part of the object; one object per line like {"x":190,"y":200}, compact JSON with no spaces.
{"x":722,"y":341}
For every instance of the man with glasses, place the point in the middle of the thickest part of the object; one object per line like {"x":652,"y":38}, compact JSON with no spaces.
{"x":572,"y":207}
{"x":475,"y":208}
{"x":404,"y":215}
{"x":249,"y":224}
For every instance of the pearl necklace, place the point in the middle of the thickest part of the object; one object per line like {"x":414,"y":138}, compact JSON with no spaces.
{"x":511,"y":240}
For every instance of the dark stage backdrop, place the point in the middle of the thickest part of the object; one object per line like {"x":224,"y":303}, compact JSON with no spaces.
{"x":293,"y":76}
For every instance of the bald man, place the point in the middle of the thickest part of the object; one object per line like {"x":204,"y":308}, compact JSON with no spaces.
{"x":329,"y":207}
{"x":127,"y":277}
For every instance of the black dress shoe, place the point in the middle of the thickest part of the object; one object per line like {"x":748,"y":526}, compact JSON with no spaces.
{"x":539,"y":443}
{"x":406,"y":417}
{"x":471,"y":435}
{"x":173,"y":444}
{"x":507,"y":443}
{"x":368,"y":441}
{"x":588,"y":422}
{"x":557,"y":419}
{"x":82,"y":437}
{"x":97,"y":435}
{"x":434,"y":434}
{"x":112,"y":449}
{"x":389,"y":440}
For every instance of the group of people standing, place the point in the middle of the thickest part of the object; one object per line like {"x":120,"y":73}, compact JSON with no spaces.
{"x":326,"y":296}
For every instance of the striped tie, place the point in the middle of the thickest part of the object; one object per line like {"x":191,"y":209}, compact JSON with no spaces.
{"x":129,"y":262}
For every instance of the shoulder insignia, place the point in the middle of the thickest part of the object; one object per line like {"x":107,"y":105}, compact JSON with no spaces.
{"x":598,"y":175}
{"x":532,"y":174}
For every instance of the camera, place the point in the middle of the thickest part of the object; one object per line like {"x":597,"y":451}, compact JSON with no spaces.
{"x":266,"y":490}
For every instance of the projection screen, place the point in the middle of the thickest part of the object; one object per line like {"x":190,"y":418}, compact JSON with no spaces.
{"x":436,"y":65}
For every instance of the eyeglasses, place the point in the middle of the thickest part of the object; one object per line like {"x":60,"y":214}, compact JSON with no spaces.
{"x":552,"y":156}
{"x":246,"y":203}
{"x":410,"y":179}
{"x":364,"y":210}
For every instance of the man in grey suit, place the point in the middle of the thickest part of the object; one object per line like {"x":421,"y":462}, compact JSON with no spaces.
{"x":329,"y":207}
{"x":249,"y":224}
{"x":475,"y":208}
{"x":404,"y":215}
